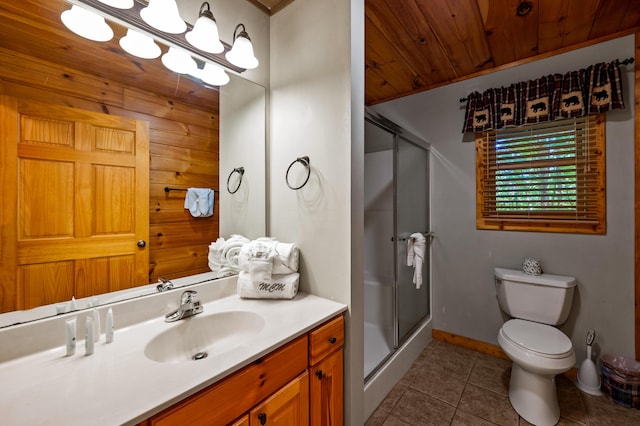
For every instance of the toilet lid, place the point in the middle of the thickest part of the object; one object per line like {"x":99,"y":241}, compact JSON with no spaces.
{"x":537,"y":337}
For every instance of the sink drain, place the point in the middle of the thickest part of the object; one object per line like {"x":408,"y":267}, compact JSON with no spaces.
{"x":199,"y":356}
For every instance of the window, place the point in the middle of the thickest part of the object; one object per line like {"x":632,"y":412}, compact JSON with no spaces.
{"x":546,"y":177}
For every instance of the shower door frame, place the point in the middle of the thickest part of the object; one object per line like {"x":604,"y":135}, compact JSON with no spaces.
{"x":400,"y":133}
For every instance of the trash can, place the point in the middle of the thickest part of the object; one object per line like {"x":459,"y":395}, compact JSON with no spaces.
{"x":621,"y":380}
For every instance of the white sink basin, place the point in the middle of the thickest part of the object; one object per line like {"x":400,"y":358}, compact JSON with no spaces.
{"x":204,"y":335}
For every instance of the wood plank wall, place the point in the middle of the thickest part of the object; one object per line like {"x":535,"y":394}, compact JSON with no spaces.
{"x":183,"y":149}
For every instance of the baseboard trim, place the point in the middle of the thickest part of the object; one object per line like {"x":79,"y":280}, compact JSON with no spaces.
{"x":466,"y":342}
{"x":482,"y":347}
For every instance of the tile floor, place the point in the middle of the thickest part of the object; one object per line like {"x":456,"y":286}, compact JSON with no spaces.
{"x":451,"y":385}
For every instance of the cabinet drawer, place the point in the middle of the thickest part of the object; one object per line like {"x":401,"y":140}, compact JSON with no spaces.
{"x":224,"y":401}
{"x":326,"y":339}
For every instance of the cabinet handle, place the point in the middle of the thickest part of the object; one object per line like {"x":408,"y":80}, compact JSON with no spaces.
{"x":319,"y":374}
{"x":263,"y":418}
{"x":332,"y":340}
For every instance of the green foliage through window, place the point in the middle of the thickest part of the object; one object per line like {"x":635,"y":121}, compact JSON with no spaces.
{"x":544,"y":172}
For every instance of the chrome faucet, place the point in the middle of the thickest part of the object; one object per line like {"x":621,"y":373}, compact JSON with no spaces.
{"x":189,"y":307}
{"x":164,"y":284}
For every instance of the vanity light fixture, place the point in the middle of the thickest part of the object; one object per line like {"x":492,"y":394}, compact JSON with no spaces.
{"x":164,"y":16}
{"x":120,"y":4}
{"x":241,"y":53}
{"x":204,"y":35}
{"x":140,"y":45}
{"x":86,"y":24}
{"x":157,"y":23}
{"x":179,"y":61}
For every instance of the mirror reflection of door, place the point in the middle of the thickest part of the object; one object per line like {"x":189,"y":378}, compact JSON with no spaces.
{"x":69,"y":212}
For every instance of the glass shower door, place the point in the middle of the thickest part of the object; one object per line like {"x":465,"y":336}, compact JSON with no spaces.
{"x":412,"y":215}
{"x":379,"y":274}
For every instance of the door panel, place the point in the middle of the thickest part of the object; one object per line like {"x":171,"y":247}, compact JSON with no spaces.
{"x":80,"y":202}
{"x":412,"y":215}
{"x":288,"y":406}
{"x":379,"y":271}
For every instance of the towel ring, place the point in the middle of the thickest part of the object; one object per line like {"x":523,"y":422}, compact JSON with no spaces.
{"x":240,"y":171}
{"x":305,"y":162}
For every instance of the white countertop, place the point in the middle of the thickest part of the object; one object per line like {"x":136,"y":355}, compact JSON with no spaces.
{"x":118,"y":384}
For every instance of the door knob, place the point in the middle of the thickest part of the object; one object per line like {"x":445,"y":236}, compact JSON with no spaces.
{"x":263,"y":418}
{"x":141,"y":243}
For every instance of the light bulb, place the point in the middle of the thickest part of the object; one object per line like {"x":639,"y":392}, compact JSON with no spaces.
{"x":164,"y":16}
{"x":179,"y":61}
{"x":86,"y":24}
{"x":140,"y":45}
{"x":205,"y":35}
{"x":241,"y":53}
{"x":214,"y":75}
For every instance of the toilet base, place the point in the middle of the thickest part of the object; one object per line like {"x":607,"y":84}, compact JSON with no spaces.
{"x":534,"y":396}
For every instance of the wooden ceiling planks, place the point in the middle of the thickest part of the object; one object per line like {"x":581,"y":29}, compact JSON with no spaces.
{"x":436,"y":42}
{"x":609,"y":15}
{"x":510,"y":37}
{"x":410,"y":45}
{"x":459,"y":31}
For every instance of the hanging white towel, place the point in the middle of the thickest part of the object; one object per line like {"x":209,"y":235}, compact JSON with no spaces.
{"x":199,"y":201}
{"x":416,"y":247}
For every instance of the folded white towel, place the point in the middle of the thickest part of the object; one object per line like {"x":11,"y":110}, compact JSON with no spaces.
{"x":280,"y":287}
{"x":286,"y":255}
{"x":231,"y":250}
{"x":215,"y":254}
{"x":226,"y":271}
{"x":199,"y":202}
{"x":416,"y":247}
{"x":260,"y":269}
{"x":223,"y":255}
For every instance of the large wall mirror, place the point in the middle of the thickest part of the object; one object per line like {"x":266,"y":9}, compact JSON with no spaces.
{"x":197,"y":136}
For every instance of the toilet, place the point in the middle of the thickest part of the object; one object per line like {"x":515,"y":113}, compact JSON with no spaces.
{"x":539,"y":351}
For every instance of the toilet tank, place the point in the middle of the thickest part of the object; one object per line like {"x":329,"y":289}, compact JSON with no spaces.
{"x":542,"y":298}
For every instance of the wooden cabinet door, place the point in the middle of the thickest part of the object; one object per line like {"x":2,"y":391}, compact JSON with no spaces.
{"x":242,"y":421}
{"x":75,"y":188}
{"x":326,"y":394}
{"x":289,"y":406}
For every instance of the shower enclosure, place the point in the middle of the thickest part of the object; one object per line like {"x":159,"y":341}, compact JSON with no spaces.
{"x":396,"y":205}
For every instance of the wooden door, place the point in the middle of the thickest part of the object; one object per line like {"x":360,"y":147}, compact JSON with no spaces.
{"x":75,"y":186}
{"x":289,"y":406}
{"x":325,"y":393}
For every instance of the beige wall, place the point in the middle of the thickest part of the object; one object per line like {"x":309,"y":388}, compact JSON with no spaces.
{"x":312,"y":115}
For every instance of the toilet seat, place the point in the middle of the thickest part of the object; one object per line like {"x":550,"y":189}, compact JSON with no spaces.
{"x":542,"y":339}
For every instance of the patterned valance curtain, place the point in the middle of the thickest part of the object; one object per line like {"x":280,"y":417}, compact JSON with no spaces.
{"x":588,"y":91}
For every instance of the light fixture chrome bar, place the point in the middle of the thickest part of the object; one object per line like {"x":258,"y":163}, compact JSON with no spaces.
{"x":130,"y":18}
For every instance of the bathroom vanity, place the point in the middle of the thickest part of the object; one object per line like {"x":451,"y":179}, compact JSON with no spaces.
{"x":267,"y":362}
{"x":297,"y":384}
